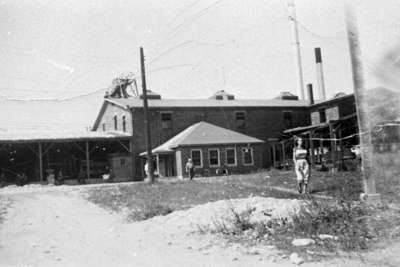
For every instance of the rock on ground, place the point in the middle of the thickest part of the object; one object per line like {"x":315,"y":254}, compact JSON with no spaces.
{"x":296,"y":259}
{"x":302,"y":242}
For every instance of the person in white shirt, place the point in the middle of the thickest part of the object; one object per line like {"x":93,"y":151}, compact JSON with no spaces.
{"x":301,"y":165}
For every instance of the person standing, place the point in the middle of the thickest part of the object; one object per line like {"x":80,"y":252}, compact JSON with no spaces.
{"x":146,"y":169}
{"x":190,"y":168}
{"x":301,"y":165}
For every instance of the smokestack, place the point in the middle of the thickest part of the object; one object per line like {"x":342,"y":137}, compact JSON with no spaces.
{"x":299,"y":67}
{"x":320,"y":74}
{"x":310,"y":93}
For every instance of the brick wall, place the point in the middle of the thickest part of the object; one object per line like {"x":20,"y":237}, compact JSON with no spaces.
{"x":108,"y":119}
{"x":262,"y":123}
{"x":207,"y":170}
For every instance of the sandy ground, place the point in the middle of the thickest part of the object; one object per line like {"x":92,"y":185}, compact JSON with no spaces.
{"x":57,"y":227}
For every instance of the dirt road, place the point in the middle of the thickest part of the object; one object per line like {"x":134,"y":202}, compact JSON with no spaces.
{"x":59,"y":228}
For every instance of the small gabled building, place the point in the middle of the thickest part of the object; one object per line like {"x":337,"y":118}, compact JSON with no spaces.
{"x":213,"y":150}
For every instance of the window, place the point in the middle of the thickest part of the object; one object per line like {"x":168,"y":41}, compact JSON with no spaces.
{"x":287,"y":119}
{"x":197,"y":157}
{"x":122,"y":162}
{"x":247,"y":156}
{"x":104,"y":127}
{"x":240,"y":117}
{"x":322,"y":116}
{"x":115,"y":122}
{"x":166,"y":120}
{"x":124,"y":123}
{"x":230,"y":156}
{"x":213,"y":157}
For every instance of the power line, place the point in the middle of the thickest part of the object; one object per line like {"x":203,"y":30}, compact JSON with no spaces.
{"x":176,"y":29}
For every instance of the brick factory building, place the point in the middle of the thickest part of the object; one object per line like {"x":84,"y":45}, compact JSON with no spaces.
{"x":262,"y":119}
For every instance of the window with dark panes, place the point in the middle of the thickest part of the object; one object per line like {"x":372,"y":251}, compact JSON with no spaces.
{"x":240,"y":117}
{"x":322,"y":116}
{"x":287,"y":119}
{"x":247,"y":156}
{"x":115,"y":122}
{"x":124,"y":123}
{"x":231,"y":156}
{"x":213,"y":157}
{"x":166,"y":120}
{"x":197,"y":157}
{"x":104,"y":127}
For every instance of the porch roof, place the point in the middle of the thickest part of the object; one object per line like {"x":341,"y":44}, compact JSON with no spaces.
{"x":318,"y":126}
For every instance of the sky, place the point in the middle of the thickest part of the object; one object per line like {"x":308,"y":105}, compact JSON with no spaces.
{"x":56,"y":49}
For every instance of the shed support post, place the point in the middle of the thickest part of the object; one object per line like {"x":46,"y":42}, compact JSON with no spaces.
{"x":311,"y":148}
{"x":158,"y":164}
{"x":273,"y":156}
{"x":321,"y":150}
{"x":87,"y":160}
{"x":40,"y":162}
{"x":333,"y":146}
{"x":341,"y":163}
{"x":283,"y":155}
{"x":131,"y":150}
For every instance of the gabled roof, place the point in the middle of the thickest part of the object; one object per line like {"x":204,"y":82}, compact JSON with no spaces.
{"x":203,"y":133}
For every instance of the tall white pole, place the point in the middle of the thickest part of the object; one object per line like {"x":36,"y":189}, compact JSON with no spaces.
{"x":293,"y":19}
{"x":361,"y":105}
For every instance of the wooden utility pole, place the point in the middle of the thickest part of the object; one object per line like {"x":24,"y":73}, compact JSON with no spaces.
{"x":40,"y":162}
{"x":361,"y":107}
{"x":146,"y":119}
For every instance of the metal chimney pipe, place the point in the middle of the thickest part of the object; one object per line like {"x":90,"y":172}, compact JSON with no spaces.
{"x":310,"y":93}
{"x":320,"y":74}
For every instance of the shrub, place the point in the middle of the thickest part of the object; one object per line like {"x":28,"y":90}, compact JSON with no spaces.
{"x":149,"y":210}
{"x":347,"y":220}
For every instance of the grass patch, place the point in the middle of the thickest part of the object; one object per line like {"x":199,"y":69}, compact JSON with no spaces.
{"x":142,"y":201}
{"x":356,"y":225}
{"x":346,"y":221}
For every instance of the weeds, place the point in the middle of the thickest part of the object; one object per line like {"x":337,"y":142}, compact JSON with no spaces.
{"x":143,"y":201}
{"x":4,"y":204}
{"x":346,"y":220}
{"x":149,"y":210}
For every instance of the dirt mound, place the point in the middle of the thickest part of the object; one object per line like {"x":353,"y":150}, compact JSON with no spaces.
{"x":208,"y":215}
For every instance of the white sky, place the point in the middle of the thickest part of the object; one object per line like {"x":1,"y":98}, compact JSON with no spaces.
{"x":59,"y":48}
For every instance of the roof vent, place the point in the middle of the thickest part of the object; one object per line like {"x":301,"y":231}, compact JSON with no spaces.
{"x":151,"y":95}
{"x":341,"y":94}
{"x":287,"y":96}
{"x":222,"y":95}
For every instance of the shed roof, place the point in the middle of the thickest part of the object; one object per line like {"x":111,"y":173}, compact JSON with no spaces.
{"x":203,"y":133}
{"x":169,"y":103}
{"x":57,"y":135}
{"x":51,"y":120}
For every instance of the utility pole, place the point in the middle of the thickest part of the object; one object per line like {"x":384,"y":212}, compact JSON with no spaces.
{"x":146,"y":119}
{"x":364,"y":127}
{"x":293,"y":19}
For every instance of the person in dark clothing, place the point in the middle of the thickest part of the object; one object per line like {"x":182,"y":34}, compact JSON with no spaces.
{"x":22,"y":179}
{"x":190,"y":168}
